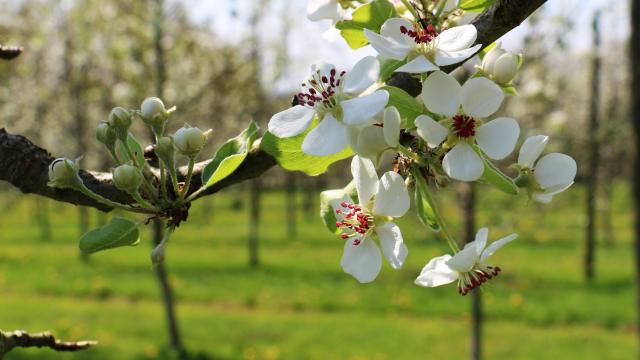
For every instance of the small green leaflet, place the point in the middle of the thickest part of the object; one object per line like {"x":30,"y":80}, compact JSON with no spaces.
{"x":135,"y":148}
{"x":327,"y":212}
{"x":475,"y":5}
{"x":118,"y":232}
{"x":368,"y":16}
{"x":408,"y":107}
{"x":424,"y":208}
{"x":388,"y":67}
{"x":288,"y":153}
{"x":495,"y":177}
{"x":229,"y":156}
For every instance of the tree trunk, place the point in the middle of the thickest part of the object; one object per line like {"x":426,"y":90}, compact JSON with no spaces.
{"x":290,"y":205}
{"x":468,"y":199}
{"x":594,"y":153}
{"x":635,"y":118}
{"x":254,"y":222}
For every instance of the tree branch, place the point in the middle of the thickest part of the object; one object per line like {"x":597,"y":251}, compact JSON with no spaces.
{"x":25,"y":165}
{"x":19,"y":338}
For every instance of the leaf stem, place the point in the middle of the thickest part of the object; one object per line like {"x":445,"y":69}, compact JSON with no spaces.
{"x":187,"y":181}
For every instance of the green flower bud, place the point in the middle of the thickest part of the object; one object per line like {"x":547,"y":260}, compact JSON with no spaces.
{"x":120,"y":120}
{"x":506,"y":67}
{"x":106,"y":135}
{"x":63,"y":174}
{"x":490,"y":58}
{"x":165,"y":151}
{"x":127,"y":177}
{"x":189,"y":141}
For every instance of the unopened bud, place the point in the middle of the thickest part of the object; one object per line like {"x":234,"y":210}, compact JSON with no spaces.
{"x":63,"y":173}
{"x":106,"y":135}
{"x":506,"y":68}
{"x":157,"y":254}
{"x":120,"y":120}
{"x":189,"y":140}
{"x":127,"y":177}
{"x":490,"y":58}
{"x":154,"y":114}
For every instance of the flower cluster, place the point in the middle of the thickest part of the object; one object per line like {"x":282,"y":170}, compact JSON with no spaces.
{"x":449,"y":132}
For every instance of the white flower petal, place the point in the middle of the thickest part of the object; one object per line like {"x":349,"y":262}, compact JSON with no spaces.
{"x":387,"y":48}
{"x":464,"y":260}
{"x":542,"y":198}
{"x":480,"y":240}
{"x":391,"y":126}
{"x":456,"y":38}
{"x":444,"y":58}
{"x":490,"y":58}
{"x":335,"y":204}
{"x":417,"y":66}
{"x":392,"y":198}
{"x":393,"y":247}
{"x":462,"y":163}
{"x":442,"y":94}
{"x":291,"y":122}
{"x":531,"y":150}
{"x":362,"y":261}
{"x":328,"y":138}
{"x":370,"y":142}
{"x":360,"y":110}
{"x":436,"y":273}
{"x":322,"y":9}
{"x":481,"y":97}
{"x":498,"y":137}
{"x":431,"y":131}
{"x":555,"y":170}
{"x":364,"y":73}
{"x":365,"y":177}
{"x":391,"y":29}
{"x":496,"y":245}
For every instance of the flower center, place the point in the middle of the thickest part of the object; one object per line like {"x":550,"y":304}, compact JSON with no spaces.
{"x":321,"y":90}
{"x":420,"y":35}
{"x":476,"y":277}
{"x":464,"y":126}
{"x":356,"y":223}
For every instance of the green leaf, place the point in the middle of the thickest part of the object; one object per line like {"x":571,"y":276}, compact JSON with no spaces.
{"x":134,"y":146}
{"x":229,"y":156}
{"x":118,"y":232}
{"x":408,"y":107}
{"x":509,"y":89}
{"x":424,"y":208}
{"x":288,"y":153}
{"x":327,"y":213}
{"x":368,"y":16}
{"x":388,"y":67}
{"x":495,"y":177}
{"x":475,"y":5}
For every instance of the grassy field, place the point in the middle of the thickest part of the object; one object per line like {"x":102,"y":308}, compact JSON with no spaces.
{"x":299,"y":305}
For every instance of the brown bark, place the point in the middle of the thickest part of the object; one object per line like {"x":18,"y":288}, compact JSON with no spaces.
{"x":19,"y":338}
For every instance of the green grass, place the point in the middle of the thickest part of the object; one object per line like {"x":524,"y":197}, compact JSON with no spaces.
{"x":299,"y":305}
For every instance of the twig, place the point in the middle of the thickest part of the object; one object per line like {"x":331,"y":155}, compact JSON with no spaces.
{"x":20,"y":338}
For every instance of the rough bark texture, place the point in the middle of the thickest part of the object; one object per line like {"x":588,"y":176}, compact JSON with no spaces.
{"x":634,"y":69}
{"x":25,"y":165}
{"x":19,"y":338}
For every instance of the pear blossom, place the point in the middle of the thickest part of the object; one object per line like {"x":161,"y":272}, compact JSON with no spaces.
{"x":373,"y":140}
{"x":553,"y":173}
{"x":380,"y":201}
{"x":340,"y":102}
{"x":464,"y":108}
{"x":424,"y":48}
{"x":468,"y":266}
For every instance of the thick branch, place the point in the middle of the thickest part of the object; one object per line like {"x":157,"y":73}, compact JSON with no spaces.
{"x":19,"y":338}
{"x":25,"y":165}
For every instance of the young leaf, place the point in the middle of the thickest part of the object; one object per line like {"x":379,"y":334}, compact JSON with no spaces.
{"x":229,"y":156}
{"x":424,"y":208}
{"x":134,"y":146}
{"x":288,"y":153}
{"x":408,"y":107}
{"x":328,"y":200}
{"x":475,"y":5}
{"x":495,"y":177}
{"x":368,"y":16}
{"x":118,"y":232}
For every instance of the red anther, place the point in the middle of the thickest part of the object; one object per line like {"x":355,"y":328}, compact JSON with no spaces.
{"x":338,"y":223}
{"x":324,"y":79}
{"x":465,"y":126}
{"x":348,"y":216}
{"x":338,"y":82}
{"x":312,"y":91}
{"x":338,"y":211}
{"x":344,"y":204}
{"x":403,"y":29}
{"x":313,"y":82}
{"x":357,"y":242}
{"x":344,"y":236}
{"x":310,"y":103}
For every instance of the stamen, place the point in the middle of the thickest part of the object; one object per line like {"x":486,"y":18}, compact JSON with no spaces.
{"x":357,"y":222}
{"x":419,"y":34}
{"x":464,"y":126}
